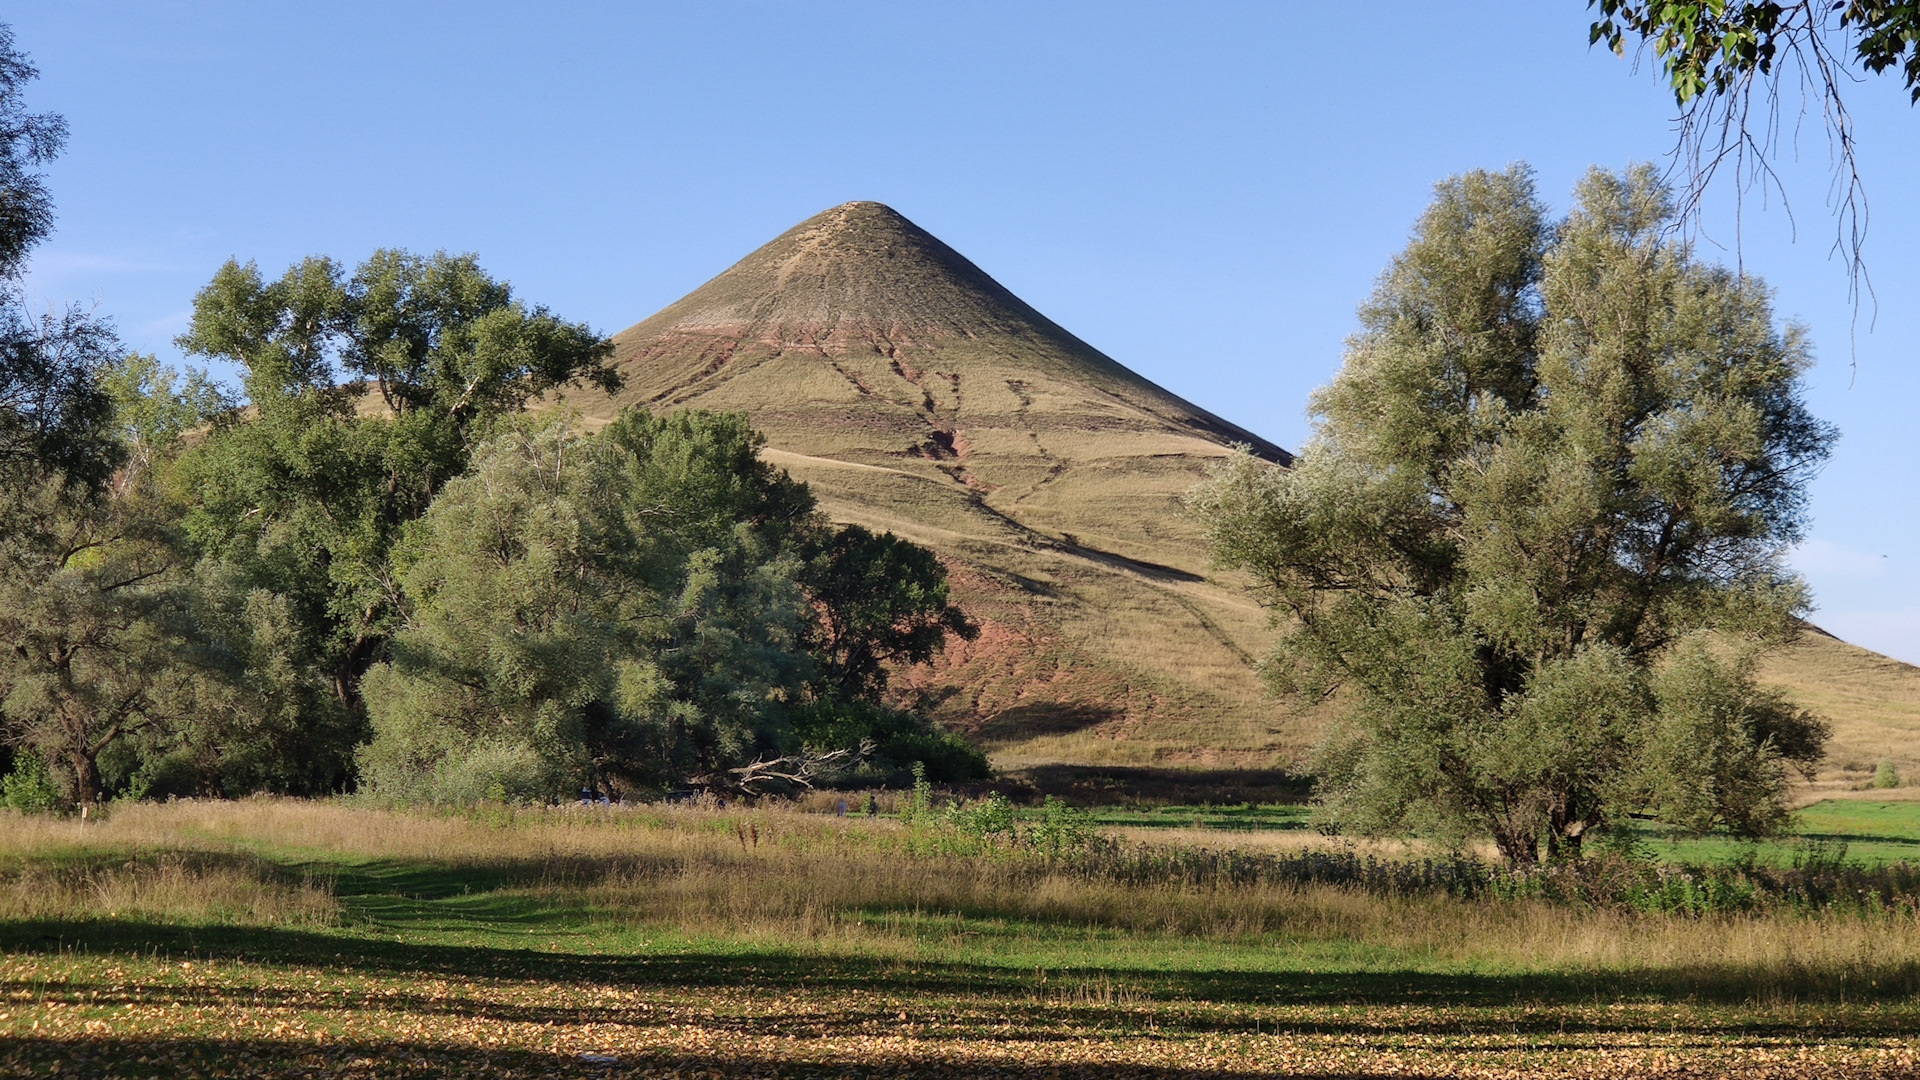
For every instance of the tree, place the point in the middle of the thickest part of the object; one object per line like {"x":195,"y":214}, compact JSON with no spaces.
{"x":89,"y":623}
{"x":882,"y":601}
{"x":53,"y":415}
{"x":723,"y":544}
{"x":1556,"y":453}
{"x":306,"y":491}
{"x":100,"y":646}
{"x":523,"y":633}
{"x":601,"y":611}
{"x":1716,"y":54}
{"x":623,"y":609}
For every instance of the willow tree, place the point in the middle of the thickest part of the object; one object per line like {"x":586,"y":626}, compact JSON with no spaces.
{"x":1557,"y":457}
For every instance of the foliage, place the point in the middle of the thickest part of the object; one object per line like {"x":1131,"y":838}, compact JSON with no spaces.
{"x":1713,"y":46}
{"x":882,"y":601}
{"x":616,"y":611}
{"x":524,"y":668}
{"x":106,"y":644}
{"x":28,"y":788}
{"x":921,"y":804}
{"x":1712,"y":756}
{"x":1885,"y":775}
{"x":26,"y":140}
{"x":1555,"y":453}
{"x":305,"y":493}
{"x":54,"y":417}
{"x":1716,"y":53}
{"x":96,"y":626}
{"x":719,"y":534}
{"x":898,"y":738}
{"x":1057,"y":831}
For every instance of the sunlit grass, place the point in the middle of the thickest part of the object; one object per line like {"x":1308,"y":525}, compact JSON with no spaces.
{"x":308,"y":937}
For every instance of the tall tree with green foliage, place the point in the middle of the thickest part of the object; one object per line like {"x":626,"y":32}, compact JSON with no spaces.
{"x":882,"y":603}
{"x":365,"y":395}
{"x":101,"y":646}
{"x":1556,"y":454}
{"x":632,"y":608}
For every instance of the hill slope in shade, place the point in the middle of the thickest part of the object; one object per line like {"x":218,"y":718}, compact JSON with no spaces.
{"x":916,"y":394}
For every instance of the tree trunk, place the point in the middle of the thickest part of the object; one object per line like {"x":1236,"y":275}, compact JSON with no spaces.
{"x":86,"y":778}
{"x":351,"y":666}
{"x":1521,"y":852}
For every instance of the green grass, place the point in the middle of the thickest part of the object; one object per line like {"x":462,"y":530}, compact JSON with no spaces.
{"x":756,"y":943}
{"x":1873,"y":833}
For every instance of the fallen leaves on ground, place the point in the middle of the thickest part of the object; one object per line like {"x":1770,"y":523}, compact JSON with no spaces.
{"x":78,"y":1015}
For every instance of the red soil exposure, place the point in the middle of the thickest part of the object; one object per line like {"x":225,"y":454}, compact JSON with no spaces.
{"x":1019,"y":679}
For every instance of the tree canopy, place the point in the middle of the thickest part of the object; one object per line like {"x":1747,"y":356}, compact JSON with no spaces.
{"x":1557,"y":454}
{"x":627,"y":609}
{"x":365,"y":396}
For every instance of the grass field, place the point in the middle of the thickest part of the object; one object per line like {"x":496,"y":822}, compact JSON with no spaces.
{"x":267,"y":939}
{"x":1874,"y":831}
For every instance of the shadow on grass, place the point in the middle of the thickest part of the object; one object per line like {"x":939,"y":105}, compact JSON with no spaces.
{"x":1139,"y":785}
{"x":1858,"y":839}
{"x":217,"y":1059}
{"x":1047,"y":718}
{"x":774,"y":970}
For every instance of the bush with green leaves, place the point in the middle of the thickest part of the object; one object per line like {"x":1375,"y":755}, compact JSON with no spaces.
{"x":897,"y":739}
{"x":1886,"y":775}
{"x":28,"y":788}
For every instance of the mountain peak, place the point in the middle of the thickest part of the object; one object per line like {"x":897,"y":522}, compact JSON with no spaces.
{"x":859,"y":283}
{"x":858,"y":268}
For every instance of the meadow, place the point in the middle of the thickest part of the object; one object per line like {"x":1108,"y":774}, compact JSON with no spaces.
{"x":271,"y":938}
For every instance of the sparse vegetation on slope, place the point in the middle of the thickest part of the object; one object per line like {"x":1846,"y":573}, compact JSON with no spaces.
{"x":915,"y":394}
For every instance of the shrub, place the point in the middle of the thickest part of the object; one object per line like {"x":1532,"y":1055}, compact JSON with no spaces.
{"x":28,"y":788}
{"x":1886,"y":776}
{"x":899,"y":739}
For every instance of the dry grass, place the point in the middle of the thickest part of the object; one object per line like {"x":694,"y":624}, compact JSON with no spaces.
{"x":170,"y":888}
{"x":830,"y":884}
{"x":888,"y":905}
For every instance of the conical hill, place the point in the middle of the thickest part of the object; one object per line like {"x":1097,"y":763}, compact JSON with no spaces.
{"x":916,"y":394}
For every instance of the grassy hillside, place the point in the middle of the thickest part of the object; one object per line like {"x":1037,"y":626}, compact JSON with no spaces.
{"x":916,"y":394}
{"x":1873,"y":702}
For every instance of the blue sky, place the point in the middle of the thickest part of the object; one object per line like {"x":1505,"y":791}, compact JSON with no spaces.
{"x":1205,"y":191}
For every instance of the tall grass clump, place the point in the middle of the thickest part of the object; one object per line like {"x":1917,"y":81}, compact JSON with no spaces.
{"x":1885,"y":775}
{"x":196,"y":888}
